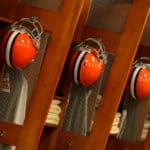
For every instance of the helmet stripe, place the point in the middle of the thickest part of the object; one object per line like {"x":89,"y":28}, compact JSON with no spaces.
{"x":133,"y":82}
{"x":73,"y":66}
{"x":5,"y":44}
{"x":76,"y":71}
{"x":9,"y":46}
{"x":136,"y":81}
{"x":80,"y":67}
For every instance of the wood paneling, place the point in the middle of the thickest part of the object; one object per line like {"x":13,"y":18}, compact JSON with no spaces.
{"x":116,"y":144}
{"x":46,"y":4}
{"x":146,"y":144}
{"x":48,"y":18}
{"x":8,"y":10}
{"x":82,"y":21}
{"x":111,"y":39}
{"x":11,"y":132}
{"x":62,"y":24}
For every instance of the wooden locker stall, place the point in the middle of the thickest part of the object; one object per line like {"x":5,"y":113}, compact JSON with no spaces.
{"x":124,"y":45}
{"x":62,"y":23}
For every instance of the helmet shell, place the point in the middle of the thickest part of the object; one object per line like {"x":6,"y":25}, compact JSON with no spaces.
{"x":86,"y":67}
{"x":143,"y":83}
{"x":19,"y":49}
{"x":140,"y":83}
{"x":21,"y":43}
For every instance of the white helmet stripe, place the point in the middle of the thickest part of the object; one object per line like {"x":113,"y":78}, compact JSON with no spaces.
{"x":132,"y":82}
{"x":9,"y":46}
{"x":76,"y":66}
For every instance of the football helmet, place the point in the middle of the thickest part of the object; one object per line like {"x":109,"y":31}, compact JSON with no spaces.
{"x":87,"y":61}
{"x":139,"y":85}
{"x":21,"y":42}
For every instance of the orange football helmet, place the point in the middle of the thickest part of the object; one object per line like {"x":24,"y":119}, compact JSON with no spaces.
{"x":87,"y":63}
{"x":21,"y":42}
{"x":139,"y":85}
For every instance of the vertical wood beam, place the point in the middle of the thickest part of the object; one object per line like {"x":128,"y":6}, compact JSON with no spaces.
{"x":82,"y":21}
{"x":119,"y":72}
{"x":53,"y":62}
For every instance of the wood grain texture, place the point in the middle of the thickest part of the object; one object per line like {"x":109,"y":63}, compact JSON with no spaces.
{"x":146,"y":144}
{"x":115,"y":144}
{"x":11,"y":132}
{"x":46,"y":4}
{"x":8,"y":10}
{"x":82,"y":22}
{"x":48,"y":18}
{"x":110,"y":39}
{"x":62,"y":24}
